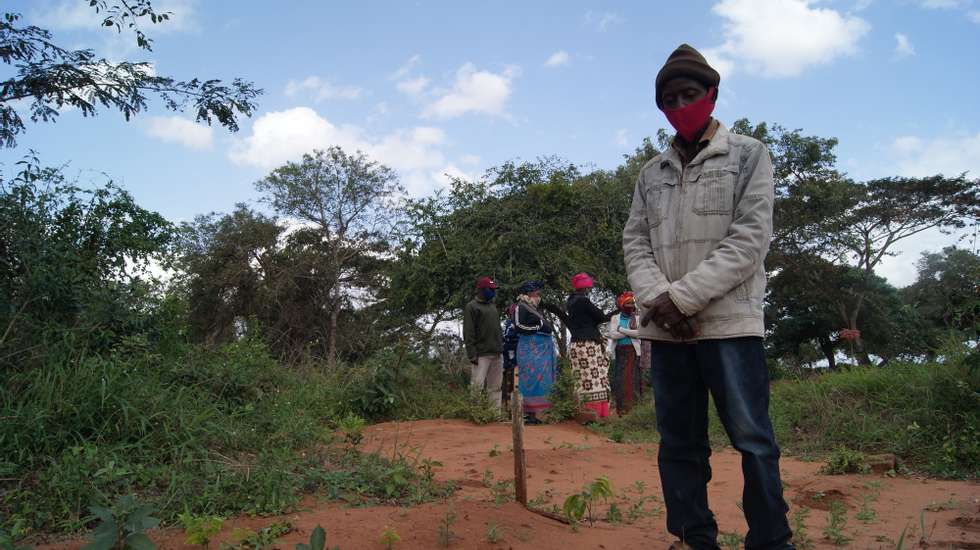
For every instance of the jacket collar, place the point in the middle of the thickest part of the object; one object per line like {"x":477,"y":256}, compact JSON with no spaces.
{"x":718,"y":145}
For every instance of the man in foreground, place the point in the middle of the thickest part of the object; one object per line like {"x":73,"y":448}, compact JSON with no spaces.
{"x":694,"y":245}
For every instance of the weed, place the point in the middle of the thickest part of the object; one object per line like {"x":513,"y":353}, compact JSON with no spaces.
{"x":614,"y":514}
{"x":583,"y":504}
{"x":7,"y":542}
{"x":731,"y":540}
{"x":866,"y":514}
{"x":495,"y":451}
{"x":263,"y":539}
{"x":845,"y":461}
{"x":836,"y":521}
{"x":640,"y":486}
{"x":122,"y":526}
{"x":389,"y":537}
{"x":493,"y":533}
{"x":318,"y":541}
{"x":200,"y":529}
{"x":800,"y":538}
{"x":353,"y":428}
{"x":445,"y":530}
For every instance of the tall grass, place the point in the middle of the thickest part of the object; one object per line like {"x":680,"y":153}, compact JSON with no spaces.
{"x":928,"y":415}
{"x":219,"y":432}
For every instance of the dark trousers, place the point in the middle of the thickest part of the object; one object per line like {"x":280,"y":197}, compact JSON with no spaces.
{"x":734,"y":371}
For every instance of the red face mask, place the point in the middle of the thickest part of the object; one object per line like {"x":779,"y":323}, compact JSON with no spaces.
{"x":691,"y":119}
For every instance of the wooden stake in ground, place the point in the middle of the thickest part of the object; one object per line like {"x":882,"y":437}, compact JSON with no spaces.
{"x":520,"y":465}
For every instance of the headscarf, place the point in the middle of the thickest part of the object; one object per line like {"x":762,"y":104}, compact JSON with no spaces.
{"x":581,"y":280}
{"x":530,"y":286}
{"x":486,"y":282}
{"x":625,"y":298}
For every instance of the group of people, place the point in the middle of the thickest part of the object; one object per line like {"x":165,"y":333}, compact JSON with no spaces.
{"x":526,"y":346}
{"x":694,"y":246}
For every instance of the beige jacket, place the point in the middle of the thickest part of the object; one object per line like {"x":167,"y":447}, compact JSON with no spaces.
{"x":701,"y":233}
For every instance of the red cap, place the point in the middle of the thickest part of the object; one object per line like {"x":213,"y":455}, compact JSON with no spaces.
{"x":581,"y":280}
{"x":485,"y":282}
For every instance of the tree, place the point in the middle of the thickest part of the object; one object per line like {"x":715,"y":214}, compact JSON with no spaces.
{"x":72,"y":263}
{"x":351,"y":201}
{"x":226,"y":264}
{"x":947,"y":291}
{"x":51,"y":77}
{"x":540,"y":220}
{"x":820,"y":212}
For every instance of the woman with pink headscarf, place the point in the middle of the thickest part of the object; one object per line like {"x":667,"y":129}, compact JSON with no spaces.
{"x":590,"y":368}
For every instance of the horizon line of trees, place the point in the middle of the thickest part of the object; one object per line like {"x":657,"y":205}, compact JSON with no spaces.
{"x":361,"y":266}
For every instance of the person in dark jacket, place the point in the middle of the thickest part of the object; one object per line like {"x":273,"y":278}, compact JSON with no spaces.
{"x":536,"y":360}
{"x":483,"y":340}
{"x":587,"y":352}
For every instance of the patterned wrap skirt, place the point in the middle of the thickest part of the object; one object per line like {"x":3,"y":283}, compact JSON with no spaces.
{"x":590,"y":369}
{"x":536,"y":370}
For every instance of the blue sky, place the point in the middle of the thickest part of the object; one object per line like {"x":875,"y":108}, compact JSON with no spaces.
{"x":455,"y":87}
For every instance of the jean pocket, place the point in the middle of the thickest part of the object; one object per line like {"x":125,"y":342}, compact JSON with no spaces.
{"x":715,"y":192}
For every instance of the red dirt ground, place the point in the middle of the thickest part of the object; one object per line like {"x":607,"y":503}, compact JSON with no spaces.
{"x":561,"y":459}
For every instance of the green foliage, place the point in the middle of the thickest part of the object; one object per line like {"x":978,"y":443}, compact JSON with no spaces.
{"x":7,"y":542}
{"x":582,"y":505}
{"x":845,"y":461}
{"x":318,"y":541}
{"x":53,"y":78}
{"x":263,"y":539}
{"x":801,"y":539}
{"x":493,"y":533}
{"x":353,"y":428}
{"x":866,"y":514}
{"x":836,"y":522}
{"x":731,"y":541}
{"x":70,"y":267}
{"x":200,"y":529}
{"x":445,"y":529}
{"x":123,"y":526}
{"x":925,"y":414}
{"x":389,"y":537}
{"x":920,"y":413}
{"x":564,"y":399}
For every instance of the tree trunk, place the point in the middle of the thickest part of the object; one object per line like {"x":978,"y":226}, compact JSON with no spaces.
{"x":827,"y":347}
{"x":332,"y":336}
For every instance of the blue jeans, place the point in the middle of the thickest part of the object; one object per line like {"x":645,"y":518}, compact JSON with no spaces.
{"x":734,"y":371}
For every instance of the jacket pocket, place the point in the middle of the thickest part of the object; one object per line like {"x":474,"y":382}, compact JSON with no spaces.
{"x":715,"y":192}
{"x":654,"y":209}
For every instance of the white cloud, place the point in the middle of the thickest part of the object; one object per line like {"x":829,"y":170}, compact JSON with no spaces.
{"x":471,"y":160}
{"x":178,"y":130}
{"x":558,"y":59}
{"x":474,"y":92}
{"x":782,"y":38}
{"x":917,"y":157}
{"x":414,"y":87}
{"x":282,"y":136}
{"x":321,"y":89}
{"x":940,"y":4}
{"x":622,"y":137}
{"x":903,"y":48}
{"x":406,"y":67}
{"x":450,"y":172}
{"x":602,"y":21}
{"x":974,"y":16}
